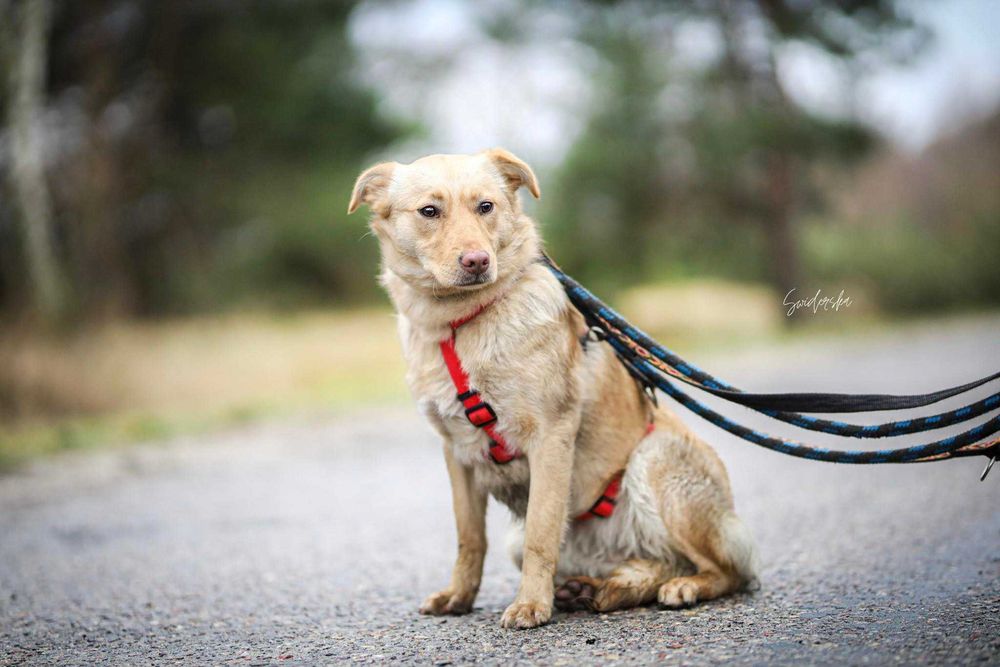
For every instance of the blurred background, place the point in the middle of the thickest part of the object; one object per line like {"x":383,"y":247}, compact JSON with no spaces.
{"x":174,"y":248}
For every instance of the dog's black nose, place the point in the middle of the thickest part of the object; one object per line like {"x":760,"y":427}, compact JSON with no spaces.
{"x":475,"y":262}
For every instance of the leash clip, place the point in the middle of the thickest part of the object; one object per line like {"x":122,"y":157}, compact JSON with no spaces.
{"x":989,"y":466}
{"x":596,"y":334}
{"x":650,"y":392}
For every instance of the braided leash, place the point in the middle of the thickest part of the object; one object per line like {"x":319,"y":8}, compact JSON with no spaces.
{"x":654,"y":365}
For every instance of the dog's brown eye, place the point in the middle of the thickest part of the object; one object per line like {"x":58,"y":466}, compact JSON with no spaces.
{"x":485,"y":207}
{"x":430,"y":211}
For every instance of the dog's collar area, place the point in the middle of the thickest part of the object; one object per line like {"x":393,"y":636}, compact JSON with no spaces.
{"x":479,"y":413}
{"x":455,"y":324}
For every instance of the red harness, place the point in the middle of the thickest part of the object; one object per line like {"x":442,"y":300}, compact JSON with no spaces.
{"x":477,"y":411}
{"x":605,"y":505}
{"x":481,"y":415}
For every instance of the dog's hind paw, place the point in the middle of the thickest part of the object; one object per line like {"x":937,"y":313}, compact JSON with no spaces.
{"x":577,"y":594}
{"x":678,"y":592}
{"x":447,"y":602}
{"x":524,"y":615}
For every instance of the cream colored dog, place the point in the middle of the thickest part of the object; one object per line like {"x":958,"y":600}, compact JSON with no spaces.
{"x":460,"y":263}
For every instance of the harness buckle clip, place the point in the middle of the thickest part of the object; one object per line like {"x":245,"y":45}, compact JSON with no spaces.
{"x":596,"y":334}
{"x":476,"y":413}
{"x":650,"y":392}
{"x":989,"y":466}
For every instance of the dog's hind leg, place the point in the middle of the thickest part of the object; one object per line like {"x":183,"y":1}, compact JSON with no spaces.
{"x":633,"y":583}
{"x":722,"y":559}
{"x":577,"y":593}
{"x":697,"y":509}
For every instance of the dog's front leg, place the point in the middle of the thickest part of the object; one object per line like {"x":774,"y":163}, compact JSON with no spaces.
{"x":470,"y":518}
{"x":551,"y":463}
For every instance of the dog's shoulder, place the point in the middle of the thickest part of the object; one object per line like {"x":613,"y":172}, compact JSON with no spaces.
{"x":536,"y":300}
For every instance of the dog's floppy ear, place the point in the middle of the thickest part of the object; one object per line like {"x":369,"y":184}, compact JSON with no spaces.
{"x":371,"y":185}
{"x":514,"y":170}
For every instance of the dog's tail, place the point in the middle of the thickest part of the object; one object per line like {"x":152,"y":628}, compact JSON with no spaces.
{"x":738,"y":550}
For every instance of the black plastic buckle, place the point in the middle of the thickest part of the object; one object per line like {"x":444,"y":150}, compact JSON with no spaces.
{"x":476,"y":408}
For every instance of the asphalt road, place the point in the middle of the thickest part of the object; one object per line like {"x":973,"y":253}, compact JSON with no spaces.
{"x":313,"y":541}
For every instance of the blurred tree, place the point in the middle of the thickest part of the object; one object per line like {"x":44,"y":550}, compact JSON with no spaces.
{"x":24,"y":28}
{"x":673,"y":146}
{"x":780,"y":139}
{"x":612,"y":186}
{"x":170,"y":124}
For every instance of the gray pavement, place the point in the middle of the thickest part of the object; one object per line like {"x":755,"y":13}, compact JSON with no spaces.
{"x":312,"y":541}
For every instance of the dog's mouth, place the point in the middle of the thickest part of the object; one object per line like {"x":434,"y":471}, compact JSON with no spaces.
{"x":464,"y":282}
{"x":452,"y":281}
{"x":475,"y":281}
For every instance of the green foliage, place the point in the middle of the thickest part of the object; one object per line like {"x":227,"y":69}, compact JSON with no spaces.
{"x":298,"y":245}
{"x":909,"y":267}
{"x":847,"y":28}
{"x":214,"y":148}
{"x":303,"y":130}
{"x":210,"y":147}
{"x":729,"y":149}
{"x":285,"y":71}
{"x":605,"y":199}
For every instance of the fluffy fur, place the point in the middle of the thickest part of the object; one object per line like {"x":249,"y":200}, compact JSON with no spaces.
{"x":574,"y":412}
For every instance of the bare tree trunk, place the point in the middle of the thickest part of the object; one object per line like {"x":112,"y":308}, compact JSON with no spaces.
{"x":27,"y":56}
{"x":756,"y":84}
{"x":782,"y":244}
{"x":786,"y":266}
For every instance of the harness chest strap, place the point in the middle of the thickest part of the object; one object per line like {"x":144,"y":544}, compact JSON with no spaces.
{"x":481,"y":415}
{"x":477,"y":411}
{"x":604,"y":506}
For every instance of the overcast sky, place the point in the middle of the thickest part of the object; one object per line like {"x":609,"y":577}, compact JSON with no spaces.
{"x":528,"y":99}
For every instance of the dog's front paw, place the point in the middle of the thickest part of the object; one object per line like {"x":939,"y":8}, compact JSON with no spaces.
{"x":447,"y":602}
{"x":678,"y":592}
{"x":524,"y":615}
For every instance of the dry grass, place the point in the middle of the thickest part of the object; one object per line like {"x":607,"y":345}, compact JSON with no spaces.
{"x":130,"y":381}
{"x":127,"y":380}
{"x":702,"y":307}
{"x":701,"y":316}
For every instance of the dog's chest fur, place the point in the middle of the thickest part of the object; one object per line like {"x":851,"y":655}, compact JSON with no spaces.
{"x":510,"y":352}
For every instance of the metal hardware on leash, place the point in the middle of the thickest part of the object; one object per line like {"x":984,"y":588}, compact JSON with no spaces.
{"x":650,"y":392}
{"x":989,"y":466}
{"x":647,"y":387}
{"x":596,"y":334}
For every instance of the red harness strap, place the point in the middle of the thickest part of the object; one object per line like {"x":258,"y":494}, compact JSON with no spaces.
{"x":605,"y":505}
{"x":481,"y":415}
{"x":477,"y":411}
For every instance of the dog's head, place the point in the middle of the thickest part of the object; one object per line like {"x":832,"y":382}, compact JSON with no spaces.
{"x":450,"y":223}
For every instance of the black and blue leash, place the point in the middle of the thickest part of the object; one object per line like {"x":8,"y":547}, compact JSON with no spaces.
{"x":654,"y":366}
